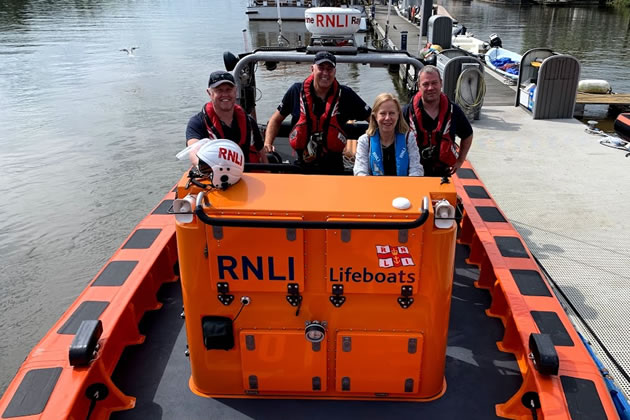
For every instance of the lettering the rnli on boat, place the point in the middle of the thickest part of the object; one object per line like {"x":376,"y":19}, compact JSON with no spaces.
{"x":332,"y":21}
{"x":257,"y":268}
{"x":266,"y":261}
{"x":363,"y":275}
{"x":230,"y":155}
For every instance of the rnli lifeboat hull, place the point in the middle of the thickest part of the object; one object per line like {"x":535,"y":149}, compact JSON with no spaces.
{"x":462,"y":316}
{"x":142,"y":369}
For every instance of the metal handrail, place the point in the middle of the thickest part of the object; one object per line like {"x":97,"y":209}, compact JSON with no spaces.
{"x":302,"y":57}
{"x":308,"y":224}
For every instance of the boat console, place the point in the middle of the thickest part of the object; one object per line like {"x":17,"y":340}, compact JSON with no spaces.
{"x":318,"y":286}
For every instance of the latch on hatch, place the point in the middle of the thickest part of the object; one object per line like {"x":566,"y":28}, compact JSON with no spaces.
{"x":405,"y":300}
{"x":294,"y":298}
{"x":337,"y":297}
{"x":224,"y":296}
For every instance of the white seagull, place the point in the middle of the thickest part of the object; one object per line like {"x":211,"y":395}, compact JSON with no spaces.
{"x":130,"y":50}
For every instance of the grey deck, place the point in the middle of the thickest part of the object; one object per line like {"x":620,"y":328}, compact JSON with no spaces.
{"x":567,"y":195}
{"x":478,"y":375}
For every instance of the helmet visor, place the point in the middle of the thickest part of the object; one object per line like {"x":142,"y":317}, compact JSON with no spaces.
{"x":204,"y":169}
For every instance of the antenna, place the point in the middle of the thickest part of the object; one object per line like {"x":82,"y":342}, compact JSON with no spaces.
{"x":389,"y":10}
{"x":280,"y":37}
{"x":245,"y":43}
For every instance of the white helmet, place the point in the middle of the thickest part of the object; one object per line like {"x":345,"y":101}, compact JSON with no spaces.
{"x":221,"y":161}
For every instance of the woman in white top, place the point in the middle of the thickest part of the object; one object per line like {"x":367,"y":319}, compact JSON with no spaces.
{"x":388,"y":147}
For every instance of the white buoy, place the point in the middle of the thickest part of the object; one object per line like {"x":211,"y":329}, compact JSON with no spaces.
{"x":594,"y":86}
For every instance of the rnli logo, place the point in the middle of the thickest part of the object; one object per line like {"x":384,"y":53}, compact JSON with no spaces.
{"x":393,"y":256}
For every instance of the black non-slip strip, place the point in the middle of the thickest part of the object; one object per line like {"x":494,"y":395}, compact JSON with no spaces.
{"x":582,"y":399}
{"x":510,"y":246}
{"x":86,"y":311}
{"x":490,"y":214}
{"x":142,"y":239}
{"x":164,"y":207}
{"x":550,"y":323}
{"x":530,"y":283}
{"x":33,"y":393}
{"x":115,"y":273}
{"x":590,"y":330}
{"x":475,"y":191}
{"x":466,"y":173}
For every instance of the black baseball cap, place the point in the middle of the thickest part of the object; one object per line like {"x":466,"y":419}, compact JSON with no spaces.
{"x":325,"y":57}
{"x":219,"y":77}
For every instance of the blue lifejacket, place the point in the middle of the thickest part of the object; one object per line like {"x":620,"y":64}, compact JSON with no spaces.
{"x":376,"y":155}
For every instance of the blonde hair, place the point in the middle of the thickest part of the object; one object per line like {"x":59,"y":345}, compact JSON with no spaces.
{"x":401,"y":126}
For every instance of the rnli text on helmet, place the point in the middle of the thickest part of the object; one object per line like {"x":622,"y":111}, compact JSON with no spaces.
{"x":332,"y":21}
{"x":230,"y":155}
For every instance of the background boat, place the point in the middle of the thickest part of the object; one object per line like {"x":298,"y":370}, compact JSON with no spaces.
{"x":292,"y":9}
{"x":470,"y":44}
{"x":268,"y":9}
{"x":499,"y":59}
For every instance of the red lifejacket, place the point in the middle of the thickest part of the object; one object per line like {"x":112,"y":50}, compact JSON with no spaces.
{"x":215,"y":130}
{"x":440,"y":136}
{"x":333,"y":138}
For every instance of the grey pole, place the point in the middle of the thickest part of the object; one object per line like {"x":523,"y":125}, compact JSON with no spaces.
{"x":389,"y":8}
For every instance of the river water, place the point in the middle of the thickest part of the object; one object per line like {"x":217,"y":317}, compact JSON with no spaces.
{"x":598,"y":37}
{"x":88,"y":133}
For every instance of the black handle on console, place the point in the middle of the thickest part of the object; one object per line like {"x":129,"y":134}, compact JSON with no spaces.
{"x":307,"y":224}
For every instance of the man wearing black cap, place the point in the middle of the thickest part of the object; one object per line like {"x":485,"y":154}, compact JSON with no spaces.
{"x":319,"y":108}
{"x":222,"y":118}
